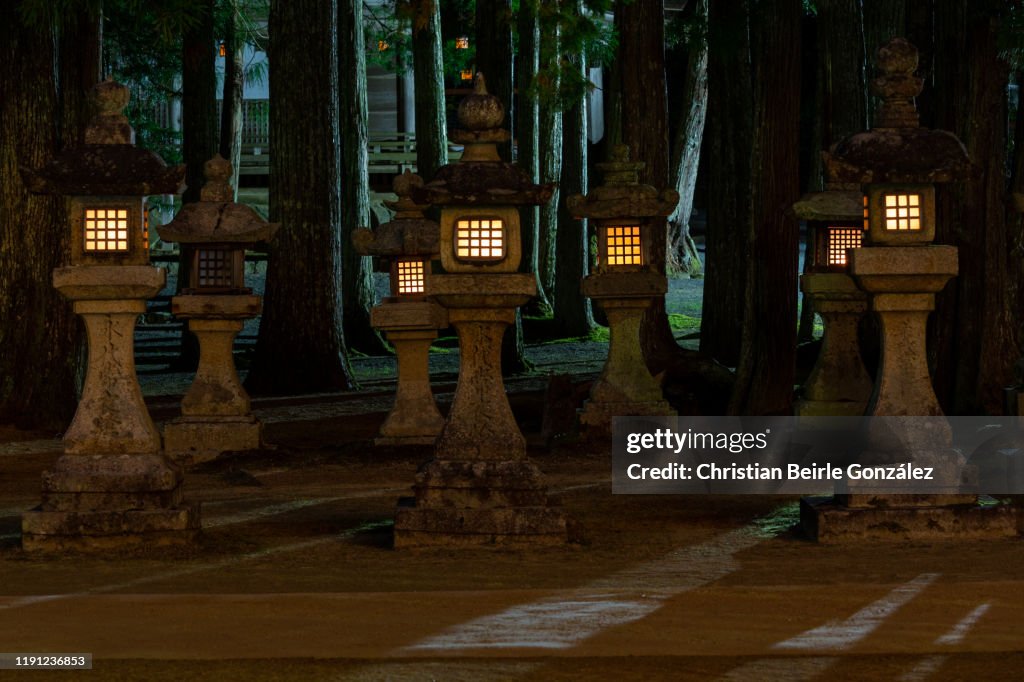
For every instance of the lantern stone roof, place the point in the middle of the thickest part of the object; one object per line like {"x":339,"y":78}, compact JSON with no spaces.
{"x":215,"y":218}
{"x":897,"y":149}
{"x":409,"y":233}
{"x":622,"y":195}
{"x":830,"y":205}
{"x":108,"y":163}
{"x":481,"y":177}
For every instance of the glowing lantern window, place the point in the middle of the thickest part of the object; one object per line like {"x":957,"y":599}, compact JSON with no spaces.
{"x":866,"y":213}
{"x":223,"y":50}
{"x":479,"y":239}
{"x":623,"y":245}
{"x":410,"y":277}
{"x":106,"y":229}
{"x":902,"y":212}
{"x":145,"y":228}
{"x":382,"y":45}
{"x":215,"y":269}
{"x":462,"y":43}
{"x":467,"y":75}
{"x":839,"y":240}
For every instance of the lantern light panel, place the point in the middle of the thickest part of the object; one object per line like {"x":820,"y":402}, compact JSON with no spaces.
{"x":902,"y":212}
{"x":106,"y":229}
{"x":466,"y":75}
{"x":216,"y":268}
{"x":839,"y":240}
{"x":480,"y":239}
{"x":866,"y":213}
{"x":410,"y":276}
{"x":462,"y":43}
{"x":623,"y":244}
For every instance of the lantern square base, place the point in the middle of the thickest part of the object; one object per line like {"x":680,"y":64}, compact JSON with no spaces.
{"x":480,"y":503}
{"x":399,"y":441}
{"x":103,"y":531}
{"x":825,"y":521}
{"x":190,"y":440}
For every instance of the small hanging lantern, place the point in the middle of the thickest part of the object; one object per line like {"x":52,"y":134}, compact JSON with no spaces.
{"x":623,"y":208}
{"x":217,"y":231}
{"x":107,"y":179}
{"x":462,"y":43}
{"x":223,"y":49}
{"x":406,"y":244}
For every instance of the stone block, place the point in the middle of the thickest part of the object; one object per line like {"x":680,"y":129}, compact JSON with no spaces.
{"x":191,"y":441}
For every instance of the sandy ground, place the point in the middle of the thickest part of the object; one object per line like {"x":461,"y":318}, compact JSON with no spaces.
{"x":295,"y":579}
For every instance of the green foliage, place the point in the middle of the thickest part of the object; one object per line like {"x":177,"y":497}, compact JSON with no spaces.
{"x":578,"y":32}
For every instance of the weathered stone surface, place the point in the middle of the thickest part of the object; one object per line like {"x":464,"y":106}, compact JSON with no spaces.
{"x":192,"y":440}
{"x":621,"y":285}
{"x":453,"y":527}
{"x":479,"y":484}
{"x":829,"y":523}
{"x":109,"y":282}
{"x":108,"y":523}
{"x":229,"y":307}
{"x":134,"y":473}
{"x":838,"y":385}
{"x":414,"y":419}
{"x":622,"y":196}
{"x":400,"y":315}
{"x":499,"y":292}
{"x":830,"y":205}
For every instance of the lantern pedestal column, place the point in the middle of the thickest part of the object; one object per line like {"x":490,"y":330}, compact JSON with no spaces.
{"x":480,"y":489}
{"x":625,"y":387}
{"x":838,"y":386}
{"x":215,"y":413}
{"x":411,"y":326}
{"x":112,"y":487}
{"x":902,"y":283}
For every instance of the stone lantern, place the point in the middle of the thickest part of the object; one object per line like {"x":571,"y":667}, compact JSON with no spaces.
{"x":838,"y":385}
{"x":408,"y":317}
{"x":480,"y":488}
{"x":215,"y":414}
{"x":897,"y":163}
{"x":625,"y":284}
{"x":113,"y":486}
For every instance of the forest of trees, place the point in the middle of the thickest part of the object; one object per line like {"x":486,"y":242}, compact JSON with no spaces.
{"x":729,"y":102}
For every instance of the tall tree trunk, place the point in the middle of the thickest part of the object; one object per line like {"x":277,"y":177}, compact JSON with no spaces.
{"x":550,"y":147}
{"x":686,"y":146}
{"x":976,"y":330}
{"x":301,"y":345}
{"x":528,"y":158}
{"x":356,"y":271}
{"x":233,"y":91}
{"x":431,"y":132}
{"x":641,"y":25}
{"x":730,"y":137}
{"x":764,"y":378}
{"x":573,"y":315}
{"x":494,"y":58}
{"x":199,"y":141}
{"x":41,"y":338}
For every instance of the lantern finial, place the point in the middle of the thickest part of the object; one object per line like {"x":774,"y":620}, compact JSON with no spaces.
{"x":109,"y":125}
{"x":897,"y":85}
{"x":218,"y":180}
{"x":618,"y":169}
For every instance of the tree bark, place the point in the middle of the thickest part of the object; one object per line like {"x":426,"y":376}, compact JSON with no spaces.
{"x":528,"y":158}
{"x":550,"y":148}
{"x":686,"y":145}
{"x":356,"y":271}
{"x":730,"y":137}
{"x":573,"y":315}
{"x":199,"y":142}
{"x":41,"y":338}
{"x":641,"y":57}
{"x":976,"y":330}
{"x":431,"y":132}
{"x":301,"y":345}
{"x":231,"y":100}
{"x":764,"y":378}
{"x":494,"y":58}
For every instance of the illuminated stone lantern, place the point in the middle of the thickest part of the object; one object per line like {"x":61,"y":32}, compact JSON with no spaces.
{"x":838,"y":385}
{"x":897,"y":163}
{"x":215,"y":414}
{"x":625,"y":285}
{"x":113,"y":486}
{"x":408,"y":317}
{"x":480,"y":488}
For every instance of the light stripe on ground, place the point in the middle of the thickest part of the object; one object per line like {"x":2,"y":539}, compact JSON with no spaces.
{"x":788,"y":668}
{"x":840,"y":635}
{"x":930,"y":664}
{"x":622,"y":597}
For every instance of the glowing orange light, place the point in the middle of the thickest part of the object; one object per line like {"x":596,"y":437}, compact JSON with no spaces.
{"x":223,"y":50}
{"x":467,"y":74}
{"x":106,"y":229}
{"x":865,"y":212}
{"x":382,"y":45}
{"x":480,"y":239}
{"x":623,"y":245}
{"x":839,"y":240}
{"x":902,"y":212}
{"x":462,"y":43}
{"x":410,"y":276}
